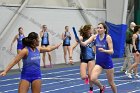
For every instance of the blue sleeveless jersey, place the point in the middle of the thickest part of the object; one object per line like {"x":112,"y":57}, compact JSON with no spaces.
{"x":138,"y":43}
{"x":45,"y":39}
{"x":66,"y":41}
{"x":87,"y":52}
{"x":31,"y":65}
{"x":103,"y":59}
{"x":19,"y":42}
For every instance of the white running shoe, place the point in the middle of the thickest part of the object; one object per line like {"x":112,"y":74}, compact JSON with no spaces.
{"x":137,"y":76}
{"x":128,"y":74}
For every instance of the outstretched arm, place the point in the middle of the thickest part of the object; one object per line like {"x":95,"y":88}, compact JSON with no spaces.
{"x":49,"y":48}
{"x":18,"y":57}
{"x":88,"y":41}
{"x":81,"y":42}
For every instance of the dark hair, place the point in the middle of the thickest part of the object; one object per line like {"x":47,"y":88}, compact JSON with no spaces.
{"x":66,"y":27}
{"x":43,"y":25}
{"x":84,"y":31}
{"x":29,"y":41}
{"x":105,"y":27}
{"x":20,"y":28}
{"x":136,"y":29}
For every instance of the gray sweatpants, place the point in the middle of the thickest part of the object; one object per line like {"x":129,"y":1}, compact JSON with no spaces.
{"x":129,"y":59}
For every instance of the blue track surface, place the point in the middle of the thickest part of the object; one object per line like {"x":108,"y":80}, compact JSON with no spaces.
{"x":67,"y":80}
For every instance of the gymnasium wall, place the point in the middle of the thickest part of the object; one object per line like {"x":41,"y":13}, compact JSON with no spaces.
{"x":116,"y":11}
{"x":32,"y":18}
{"x":58,"y":3}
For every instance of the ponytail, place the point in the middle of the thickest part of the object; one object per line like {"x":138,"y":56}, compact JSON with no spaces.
{"x":84,"y":31}
{"x":81,"y":30}
{"x":29,"y":41}
{"x":26,"y":42}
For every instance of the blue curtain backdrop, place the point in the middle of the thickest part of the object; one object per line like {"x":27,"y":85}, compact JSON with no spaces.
{"x":118,"y":34}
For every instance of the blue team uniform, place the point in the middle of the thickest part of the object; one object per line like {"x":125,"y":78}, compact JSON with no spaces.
{"x":66,"y":41}
{"x":103,"y":59}
{"x":31,"y":66}
{"x":87,"y":53}
{"x":137,"y":43}
{"x":19,"y":42}
{"x":45,"y":39}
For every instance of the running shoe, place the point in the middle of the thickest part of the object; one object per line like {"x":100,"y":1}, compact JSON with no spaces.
{"x":90,"y":91}
{"x":137,"y":76}
{"x":102,"y":90}
{"x":128,"y":74}
{"x":86,"y":80}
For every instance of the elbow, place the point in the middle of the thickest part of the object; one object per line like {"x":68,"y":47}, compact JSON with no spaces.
{"x":112,"y":52}
{"x":48,"y":49}
{"x":83,"y":43}
{"x":109,"y":52}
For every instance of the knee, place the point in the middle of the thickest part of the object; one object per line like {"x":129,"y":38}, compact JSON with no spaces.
{"x":93,"y":78}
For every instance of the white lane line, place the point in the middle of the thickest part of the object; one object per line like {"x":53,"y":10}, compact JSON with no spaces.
{"x":134,"y":91}
{"x":63,"y":88}
{"x":61,"y":72}
{"x":57,"y":77}
{"x":76,"y":85}
{"x":81,"y":85}
{"x":79,"y":73}
{"x":53,"y":77}
{"x":70,"y":70}
{"x":8,"y":79}
{"x":10,"y":90}
{"x":117,"y":85}
{"x":96,"y":89}
{"x":9,"y":84}
{"x":103,"y":80}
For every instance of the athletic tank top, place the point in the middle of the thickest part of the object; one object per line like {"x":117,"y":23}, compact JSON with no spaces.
{"x":45,"y":38}
{"x":67,"y":39}
{"x":31,"y":64}
{"x":87,"y":51}
{"x":101,"y":56}
{"x":19,"y":40}
{"x":137,"y":42}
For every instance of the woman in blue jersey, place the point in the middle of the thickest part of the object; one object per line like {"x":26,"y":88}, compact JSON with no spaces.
{"x":136,"y":52}
{"x":44,"y":43}
{"x":87,"y":56}
{"x":19,"y":38}
{"x":104,"y":49}
{"x":31,"y":72}
{"x":66,"y":37}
